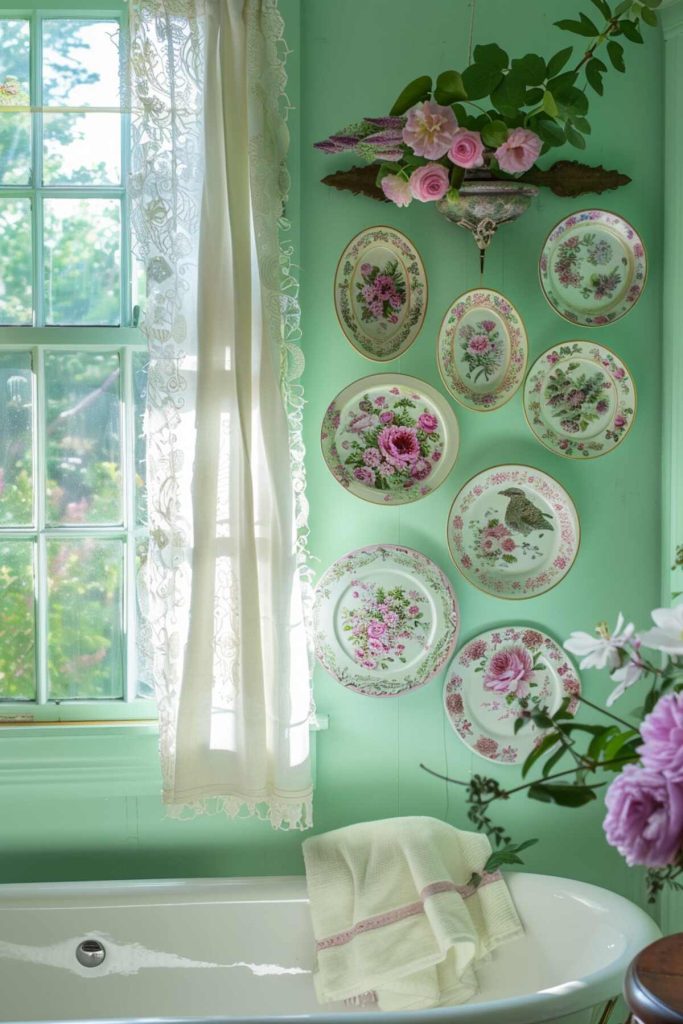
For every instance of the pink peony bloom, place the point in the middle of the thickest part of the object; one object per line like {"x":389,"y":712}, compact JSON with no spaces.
{"x":397,"y":189}
{"x":430,"y":129}
{"x":399,"y":446}
{"x":376,"y":629}
{"x":645,"y":816}
{"x":364,"y":475}
{"x":427,"y":422}
{"x":429,"y":182}
{"x":519,"y":152}
{"x":509,"y":670}
{"x":467,"y":149}
{"x":662,"y":732}
{"x":479,"y":343}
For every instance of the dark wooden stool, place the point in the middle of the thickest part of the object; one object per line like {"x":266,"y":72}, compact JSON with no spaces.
{"x":654,"y":982}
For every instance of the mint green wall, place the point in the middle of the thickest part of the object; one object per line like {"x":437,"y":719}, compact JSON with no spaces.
{"x":59,"y":819}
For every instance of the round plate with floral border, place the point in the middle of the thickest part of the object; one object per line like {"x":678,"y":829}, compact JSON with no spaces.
{"x":513,"y":531}
{"x":498,"y":677}
{"x":481,"y":350}
{"x":385,"y":620}
{"x":593,"y":267}
{"x":390,"y":439}
{"x":380,"y":293}
{"x":580,"y":399}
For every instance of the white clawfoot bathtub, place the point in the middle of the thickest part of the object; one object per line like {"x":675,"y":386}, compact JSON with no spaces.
{"x":239,"y":949}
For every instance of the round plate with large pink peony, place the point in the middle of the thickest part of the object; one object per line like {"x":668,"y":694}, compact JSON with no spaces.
{"x":390,"y":439}
{"x":500,"y":676}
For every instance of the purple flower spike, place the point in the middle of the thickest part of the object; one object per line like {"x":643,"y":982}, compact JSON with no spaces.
{"x":387,"y":122}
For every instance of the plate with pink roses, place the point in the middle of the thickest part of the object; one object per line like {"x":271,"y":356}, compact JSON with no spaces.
{"x":380,"y":293}
{"x":500,"y":676}
{"x":482,"y":350}
{"x":389,"y":439}
{"x":593,"y":267}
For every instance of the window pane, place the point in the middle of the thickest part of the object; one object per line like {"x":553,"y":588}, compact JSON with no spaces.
{"x":140,"y":365}
{"x":17,"y":657}
{"x":16,"y":267}
{"x":80,"y":63}
{"x":15,"y":128}
{"x":85,"y":636}
{"x":144,"y":676}
{"x":15,"y":148}
{"x":83,"y":438}
{"x":16,"y":459}
{"x":82,"y":265}
{"x":82,"y":149}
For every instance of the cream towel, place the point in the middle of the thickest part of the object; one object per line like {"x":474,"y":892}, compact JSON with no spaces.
{"x":393,"y":914}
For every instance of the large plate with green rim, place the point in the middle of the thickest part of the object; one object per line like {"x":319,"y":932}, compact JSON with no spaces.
{"x":593,"y":267}
{"x":380,"y":293}
{"x":513,"y":531}
{"x":385,"y":620}
{"x":482,"y":349}
{"x":389,"y":439}
{"x":580,"y":399}
{"x":500,"y":676}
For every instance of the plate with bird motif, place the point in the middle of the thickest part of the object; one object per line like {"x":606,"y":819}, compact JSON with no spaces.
{"x":380,"y":293}
{"x":389,"y":439}
{"x":580,"y":399}
{"x":593,"y":267}
{"x":385,"y":620}
{"x":513,"y":531}
{"x":503,"y":675}
{"x":482,"y":350}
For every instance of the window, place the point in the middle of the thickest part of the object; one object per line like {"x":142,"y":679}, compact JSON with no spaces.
{"x":72,"y":375}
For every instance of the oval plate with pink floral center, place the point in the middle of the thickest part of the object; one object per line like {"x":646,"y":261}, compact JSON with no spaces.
{"x":385,"y":620}
{"x":482,"y":350}
{"x":593,"y":268}
{"x":390,"y":439}
{"x":501,"y":676}
{"x":580,"y":399}
{"x":513,"y":531}
{"x":380,"y":293}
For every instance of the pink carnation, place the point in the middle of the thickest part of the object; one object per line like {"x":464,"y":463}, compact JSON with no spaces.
{"x":467,"y":149}
{"x":519,"y":152}
{"x":397,"y":189}
{"x":430,"y":129}
{"x":429,"y":182}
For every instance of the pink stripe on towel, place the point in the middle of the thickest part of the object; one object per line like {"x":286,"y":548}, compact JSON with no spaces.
{"x":369,"y":924}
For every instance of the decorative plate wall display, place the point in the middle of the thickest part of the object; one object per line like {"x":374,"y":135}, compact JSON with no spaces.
{"x":482,"y":350}
{"x":497,"y":677}
{"x":579,"y":399}
{"x":513,"y":531}
{"x":385,"y":620}
{"x":593,"y":267}
{"x":380,"y":293}
{"x":390,"y":439}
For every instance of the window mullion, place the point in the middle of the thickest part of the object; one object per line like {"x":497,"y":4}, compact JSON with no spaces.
{"x":128,"y":476}
{"x":37,"y":174}
{"x":41,"y":542}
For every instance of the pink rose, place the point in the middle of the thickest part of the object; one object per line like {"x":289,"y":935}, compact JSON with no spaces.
{"x":428,"y":423}
{"x":509,"y":670}
{"x":519,"y":152}
{"x":662,"y":732}
{"x":376,"y":629}
{"x":645,"y":816}
{"x":397,"y":189}
{"x":429,"y":130}
{"x":364,"y":475}
{"x":429,"y":182}
{"x":386,"y":417}
{"x":399,"y":446}
{"x":413,"y":610}
{"x":479,"y":343}
{"x":467,"y":149}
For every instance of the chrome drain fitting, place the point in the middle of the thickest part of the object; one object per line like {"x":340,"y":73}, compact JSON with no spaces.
{"x":90,"y":953}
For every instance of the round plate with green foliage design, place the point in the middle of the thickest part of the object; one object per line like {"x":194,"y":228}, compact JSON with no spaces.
{"x":513,"y":531}
{"x":380,"y":293}
{"x":385,"y":620}
{"x":580,"y":399}
{"x":390,"y":439}
{"x":593,"y":268}
{"x":497,"y":678}
{"x":482,"y":350}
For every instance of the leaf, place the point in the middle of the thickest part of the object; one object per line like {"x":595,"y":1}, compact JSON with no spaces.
{"x":556,"y":63}
{"x":622,"y":7}
{"x":615,"y":52}
{"x":449,"y":88}
{"x":561,"y":793}
{"x":533,"y":96}
{"x":538,"y":752}
{"x":652,"y":3}
{"x":598,"y":742}
{"x":580,"y":28}
{"x":494,"y":133}
{"x":571,"y":100}
{"x":417,"y":91}
{"x":509,"y":95}
{"x":519,"y":724}
{"x":491,"y":56}
{"x":530,"y":69}
{"x":552,"y":761}
{"x":550,"y":132}
{"x":582,"y":124}
{"x":631,"y":31}
{"x":480,"y":81}
{"x":603,"y":8}
{"x":549,"y":104}
{"x":594,"y":76}
{"x":649,"y":17}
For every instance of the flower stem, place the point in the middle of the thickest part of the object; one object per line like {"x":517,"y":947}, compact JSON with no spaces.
{"x":603,"y":711}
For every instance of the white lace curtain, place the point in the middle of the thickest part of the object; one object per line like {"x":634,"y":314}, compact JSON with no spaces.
{"x":225,"y":629}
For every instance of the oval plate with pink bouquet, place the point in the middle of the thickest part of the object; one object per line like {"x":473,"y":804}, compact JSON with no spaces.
{"x":503,"y":675}
{"x":385,"y":620}
{"x":593,"y":267}
{"x":513,"y":531}
{"x":580,"y":399}
{"x":482,"y":350}
{"x":380,"y":293}
{"x":390,"y":439}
